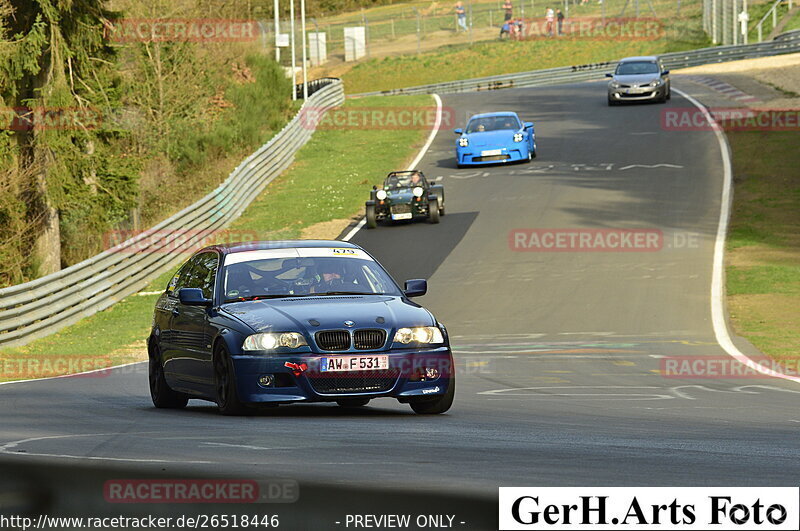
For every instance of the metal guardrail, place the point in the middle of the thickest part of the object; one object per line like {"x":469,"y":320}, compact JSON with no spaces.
{"x":47,"y":304}
{"x":785,"y":43}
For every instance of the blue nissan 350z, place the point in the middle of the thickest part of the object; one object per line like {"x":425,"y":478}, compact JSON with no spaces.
{"x":268,"y":323}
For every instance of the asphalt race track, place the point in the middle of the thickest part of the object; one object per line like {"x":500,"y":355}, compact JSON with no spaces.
{"x":559,"y":353}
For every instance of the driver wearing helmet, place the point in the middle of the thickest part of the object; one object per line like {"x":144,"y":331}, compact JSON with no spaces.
{"x":332,"y":276}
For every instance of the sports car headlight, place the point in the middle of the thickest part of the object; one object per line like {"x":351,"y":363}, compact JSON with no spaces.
{"x":271,"y":341}
{"x":419,"y":334}
{"x":381,"y":195}
{"x":517,"y":137}
{"x":417,"y":191}
{"x":463,"y":141}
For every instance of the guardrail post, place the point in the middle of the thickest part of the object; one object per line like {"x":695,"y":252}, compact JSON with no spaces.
{"x":760,"y":37}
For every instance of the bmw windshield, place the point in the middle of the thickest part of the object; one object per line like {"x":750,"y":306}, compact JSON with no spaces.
{"x":273,"y":277}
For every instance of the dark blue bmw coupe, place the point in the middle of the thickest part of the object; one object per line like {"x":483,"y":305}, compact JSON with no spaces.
{"x":268,"y":323}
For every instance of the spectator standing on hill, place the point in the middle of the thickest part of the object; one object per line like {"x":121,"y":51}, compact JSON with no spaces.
{"x":548,"y":17}
{"x":461,"y":16}
{"x":509,"y":10}
{"x":560,"y":21}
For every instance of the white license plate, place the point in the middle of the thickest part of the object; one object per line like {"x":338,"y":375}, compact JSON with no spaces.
{"x":407,"y":215}
{"x":354,"y":363}
{"x":490,"y":152}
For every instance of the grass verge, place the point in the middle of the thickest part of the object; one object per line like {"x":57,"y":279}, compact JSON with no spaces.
{"x":763,"y":256}
{"x":503,"y":57}
{"x":330,"y":179}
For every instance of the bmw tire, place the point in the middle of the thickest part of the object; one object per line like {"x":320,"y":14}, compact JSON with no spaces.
{"x":437,"y":405}
{"x":227,"y":399}
{"x":160,"y":392}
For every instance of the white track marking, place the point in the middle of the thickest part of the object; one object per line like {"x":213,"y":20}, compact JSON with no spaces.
{"x":8,"y":447}
{"x":650,"y":166}
{"x":718,"y":270}
{"x":244,"y":446}
{"x":437,"y":123}
{"x":73,"y":374}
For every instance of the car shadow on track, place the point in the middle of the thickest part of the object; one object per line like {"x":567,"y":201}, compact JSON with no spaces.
{"x":416,"y":250}
{"x":316,"y":410}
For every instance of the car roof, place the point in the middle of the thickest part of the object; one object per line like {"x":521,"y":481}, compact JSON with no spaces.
{"x":488,"y":114}
{"x":648,"y":58}
{"x":239,"y":247}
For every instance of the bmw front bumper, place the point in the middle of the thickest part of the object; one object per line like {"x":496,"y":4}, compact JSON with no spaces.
{"x":298,"y":378}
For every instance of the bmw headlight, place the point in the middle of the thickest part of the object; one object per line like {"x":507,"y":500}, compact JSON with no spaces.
{"x":517,"y":137}
{"x":271,"y":341}
{"x":381,"y":195}
{"x":463,"y":141}
{"x":419,"y":334}
{"x":417,"y":191}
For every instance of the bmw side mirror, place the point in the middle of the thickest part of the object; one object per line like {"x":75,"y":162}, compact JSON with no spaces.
{"x":528,"y":125}
{"x":665,"y":72}
{"x":458,"y":131}
{"x":193,"y":297}
{"x":609,"y":75}
{"x":416,"y":287}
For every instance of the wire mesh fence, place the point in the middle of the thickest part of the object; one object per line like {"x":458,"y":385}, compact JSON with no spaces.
{"x":410,"y":28}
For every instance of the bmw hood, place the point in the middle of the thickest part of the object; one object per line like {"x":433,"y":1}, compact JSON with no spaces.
{"x":310,"y":314}
{"x":492,"y":138}
{"x":638,"y":79}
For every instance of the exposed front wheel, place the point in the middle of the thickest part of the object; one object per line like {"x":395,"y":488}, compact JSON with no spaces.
{"x":372,"y":220}
{"x":225,"y":383}
{"x":160,"y":392}
{"x":440,"y":404}
{"x":433,"y":212}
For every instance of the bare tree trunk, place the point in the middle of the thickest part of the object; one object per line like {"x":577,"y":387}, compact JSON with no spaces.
{"x":47,"y":249}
